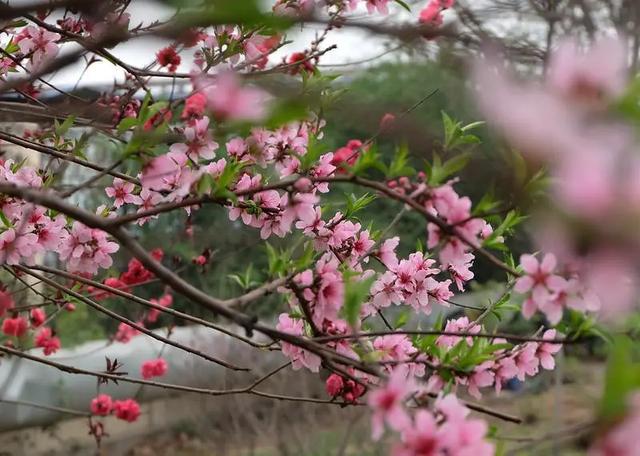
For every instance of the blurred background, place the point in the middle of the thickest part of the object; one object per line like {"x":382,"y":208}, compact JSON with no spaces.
{"x":376,"y":75}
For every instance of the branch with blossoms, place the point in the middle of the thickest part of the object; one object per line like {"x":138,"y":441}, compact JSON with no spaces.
{"x":351,"y":298}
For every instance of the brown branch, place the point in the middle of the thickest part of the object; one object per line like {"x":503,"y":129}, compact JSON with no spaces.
{"x":68,"y":156}
{"x":348,"y":178}
{"x":250,"y":323}
{"x":144,"y":302}
{"x":125,"y":320}
{"x":45,"y":407}
{"x":187,"y":389}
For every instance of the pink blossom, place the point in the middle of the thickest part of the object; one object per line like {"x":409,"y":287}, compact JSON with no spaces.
{"x":385,"y":292}
{"x":37,"y":317}
{"x":257,"y":49}
{"x":387,"y":252}
{"x":504,"y":370}
{"x":432,"y":13}
{"x":421,"y":438}
{"x":50,"y":233}
{"x":379,"y":5}
{"x":540,"y":283}
{"x":482,"y":376}
{"x":298,"y":356}
{"x":198,"y":142}
{"x":38,"y":42}
{"x":15,"y":247}
{"x":591,"y":76}
{"x":334,"y":385}
{"x":546,"y":350}
{"x":87,"y":249}
{"x":460,"y":435}
{"x":16,"y":327}
{"x":6,"y":302}
{"x":194,"y":106}
{"x":398,"y":348}
{"x":460,"y":270}
{"x":330,"y":295}
{"x":168,"y":57}
{"x":125,"y":333}
{"x":323,"y":168}
{"x":526,"y":361}
{"x":460,"y":325}
{"x":127,"y":410}
{"x":387,"y":403}
{"x":122,"y":191}
{"x":228,"y":99}
{"x":387,"y":121}
{"x":532,"y":119}
{"x":347,"y":155}
{"x":153,"y":368}
{"x":166,"y":300}
{"x":148,"y":200}
{"x":101,"y":405}
{"x":47,"y":341}
{"x":158,"y":173}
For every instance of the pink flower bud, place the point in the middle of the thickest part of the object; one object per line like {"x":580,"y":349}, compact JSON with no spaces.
{"x":334,"y":385}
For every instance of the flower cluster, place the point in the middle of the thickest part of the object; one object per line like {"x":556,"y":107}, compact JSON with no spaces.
{"x":153,"y":368}
{"x":518,"y":361}
{"x":412,"y":281}
{"x":299,"y":357}
{"x":126,"y":410}
{"x":567,"y":124}
{"x":549,"y":292}
{"x":272,"y":178}
{"x":446,"y":431}
{"x":431,"y":14}
{"x":347,"y":388}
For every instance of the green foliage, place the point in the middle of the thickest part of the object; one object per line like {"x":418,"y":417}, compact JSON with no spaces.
{"x":5,"y":221}
{"x":455,"y":134}
{"x":438,"y":172}
{"x":506,"y":227}
{"x":247,"y":280}
{"x":355,"y":204}
{"x":286,"y":110}
{"x":61,"y":129}
{"x":367,"y":160}
{"x":629,"y":103}
{"x":403,"y":5}
{"x":222,"y":12}
{"x":622,"y":377}
{"x":355,"y":294}
{"x":78,"y":326}
{"x":399,"y":166}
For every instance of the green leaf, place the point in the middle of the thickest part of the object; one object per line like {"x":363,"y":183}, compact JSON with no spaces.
{"x":356,"y":204}
{"x":402,"y":319}
{"x":399,"y":166}
{"x":622,"y":377}
{"x":126,"y":123}
{"x":285,"y":111}
{"x":356,"y":293}
{"x":438,"y":172}
{"x":455,"y":135}
{"x":403,"y":4}
{"x":5,"y":221}
{"x":511,"y":220}
{"x":64,"y":127}
{"x":368,"y":159}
